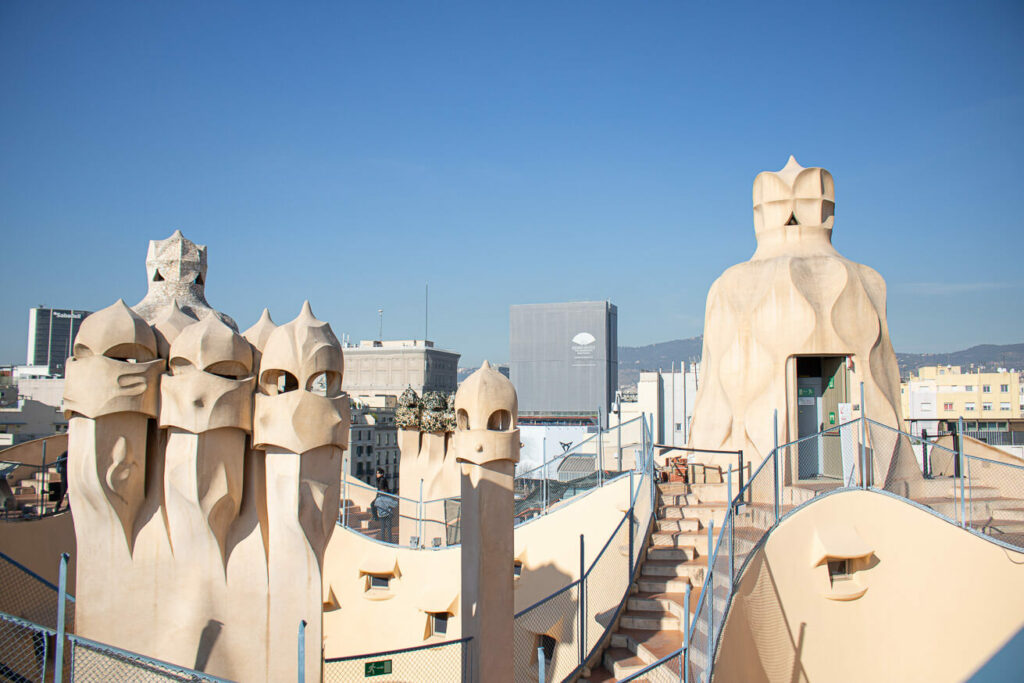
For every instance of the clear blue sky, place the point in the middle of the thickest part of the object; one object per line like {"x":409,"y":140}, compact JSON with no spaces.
{"x":349,"y":152}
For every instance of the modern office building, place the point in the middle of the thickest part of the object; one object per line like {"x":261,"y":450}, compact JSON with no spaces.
{"x":563,"y":358}
{"x":51,"y":332}
{"x":386,"y":368}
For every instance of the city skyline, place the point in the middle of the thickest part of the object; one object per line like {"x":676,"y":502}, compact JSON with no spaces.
{"x":506,"y":156}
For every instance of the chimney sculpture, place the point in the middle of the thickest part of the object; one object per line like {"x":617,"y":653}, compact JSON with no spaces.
{"x":486,"y":444}
{"x":176,"y":269}
{"x":200,"y":529}
{"x":428,"y":464}
{"x":796,"y":297}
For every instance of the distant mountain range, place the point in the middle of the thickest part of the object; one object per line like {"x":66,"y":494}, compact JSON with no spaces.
{"x":633,"y":359}
{"x":982,"y":357}
{"x":661,"y":356}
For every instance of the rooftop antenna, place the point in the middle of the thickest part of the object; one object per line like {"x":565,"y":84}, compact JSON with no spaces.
{"x":426,"y":311}
{"x":380,"y":324}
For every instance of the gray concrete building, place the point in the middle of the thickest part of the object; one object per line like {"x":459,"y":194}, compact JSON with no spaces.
{"x":563,"y":358}
{"x":386,"y":368}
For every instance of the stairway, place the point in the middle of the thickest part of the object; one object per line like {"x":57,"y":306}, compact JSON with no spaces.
{"x":362,"y":520}
{"x":651,"y":625}
{"x":31,"y":493}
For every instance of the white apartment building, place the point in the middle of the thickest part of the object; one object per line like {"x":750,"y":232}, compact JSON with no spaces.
{"x":990,"y":403}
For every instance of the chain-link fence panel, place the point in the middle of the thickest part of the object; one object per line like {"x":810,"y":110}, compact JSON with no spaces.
{"x":665,"y":670}
{"x":643,"y":509}
{"x":530,"y":496}
{"x":882,"y":446}
{"x":453,"y":520}
{"x":754,"y":513}
{"x":448,"y":661}
{"x":994,"y":493}
{"x":440,"y":522}
{"x":27,"y":595}
{"x":24,"y":649}
{"x":928,"y":473}
{"x":720,"y":579}
{"x":388,"y":517}
{"x":550,"y":628}
{"x":93,"y":662}
{"x":605,"y":586}
{"x":699,"y":641}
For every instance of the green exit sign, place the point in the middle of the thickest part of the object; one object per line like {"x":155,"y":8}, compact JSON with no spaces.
{"x":377,"y":668}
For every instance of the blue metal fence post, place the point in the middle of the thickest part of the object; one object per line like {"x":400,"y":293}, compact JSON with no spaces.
{"x":710,"y":583}
{"x":344,"y":495}
{"x":684,"y":674}
{"x":618,"y":436}
{"x":732,"y":529}
{"x":970,"y":491}
{"x":41,"y":483}
{"x":419,"y":514}
{"x":649,"y":454}
{"x":582,"y":599}
{"x":62,"y":597}
{"x":632,"y":523}
{"x":960,"y":458}
{"x":600,"y":451}
{"x":775,"y":460}
{"x":302,"y":651}
{"x":863,"y":445}
{"x":544,"y":482}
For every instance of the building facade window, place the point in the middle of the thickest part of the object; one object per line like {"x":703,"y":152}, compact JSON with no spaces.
{"x":1004,"y":388}
{"x":986,"y":388}
{"x":1004,"y":406}
{"x":947,"y":406}
{"x":439,"y":624}
{"x":968,"y":406}
{"x":986,"y":406}
{"x":969,"y":387}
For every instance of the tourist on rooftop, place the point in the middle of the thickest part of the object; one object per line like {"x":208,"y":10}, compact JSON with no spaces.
{"x":383,"y":505}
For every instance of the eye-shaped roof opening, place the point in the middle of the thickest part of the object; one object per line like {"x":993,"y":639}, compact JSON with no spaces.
{"x":275,"y":381}
{"x":500,"y":420}
{"x":486,"y":400}
{"x":116,"y":332}
{"x":212,"y":347}
{"x":302,"y":354}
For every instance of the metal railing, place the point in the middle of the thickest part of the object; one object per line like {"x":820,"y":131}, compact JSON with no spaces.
{"x":447,"y":661}
{"x":26,"y":595}
{"x":406,"y":521}
{"x":997,"y":438}
{"x":48,"y":484}
{"x":95,"y":662}
{"x":558,"y":635}
{"x":981,"y":495}
{"x":24,"y":649}
{"x":31,"y":651}
{"x":398,"y":520}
